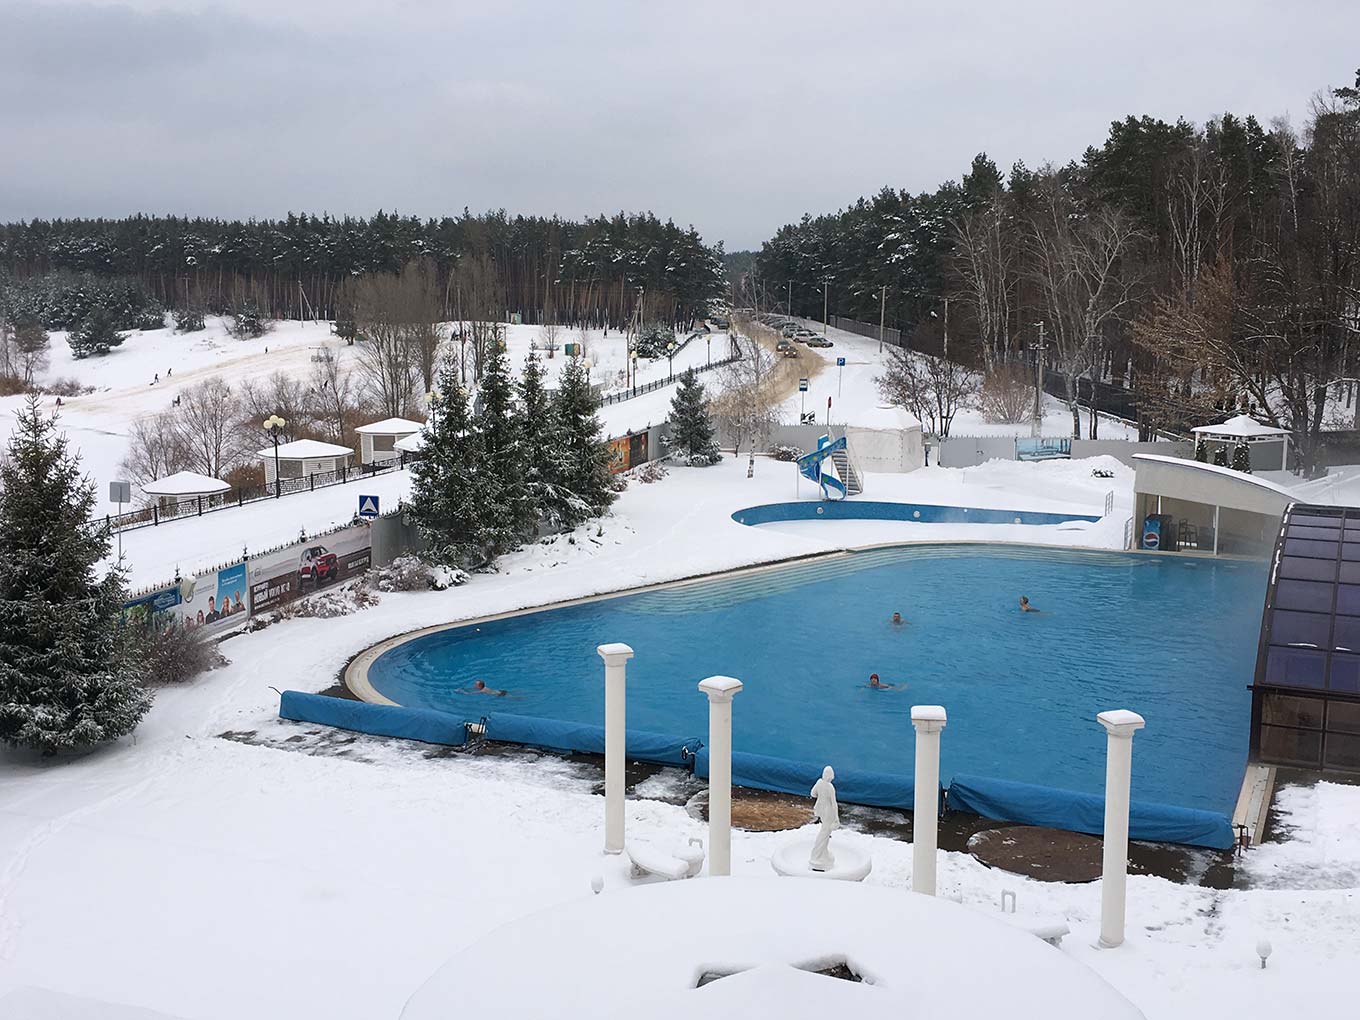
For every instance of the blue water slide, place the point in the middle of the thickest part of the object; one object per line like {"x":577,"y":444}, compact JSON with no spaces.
{"x":810,"y":465}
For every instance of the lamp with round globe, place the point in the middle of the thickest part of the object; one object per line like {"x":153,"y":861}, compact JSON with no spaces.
{"x":275,"y":425}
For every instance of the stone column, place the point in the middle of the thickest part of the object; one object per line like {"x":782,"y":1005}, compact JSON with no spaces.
{"x":720,"y":690}
{"x":928,"y":721}
{"x":1120,"y":725}
{"x":615,"y":658}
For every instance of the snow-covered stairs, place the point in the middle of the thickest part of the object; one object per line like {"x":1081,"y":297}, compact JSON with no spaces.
{"x":847,"y":472}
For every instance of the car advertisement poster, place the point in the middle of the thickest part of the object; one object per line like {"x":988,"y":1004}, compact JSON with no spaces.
{"x":280,"y":577}
{"x":215,"y":601}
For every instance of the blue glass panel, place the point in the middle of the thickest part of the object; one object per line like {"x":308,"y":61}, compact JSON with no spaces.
{"x":1345,"y":673}
{"x":1346,"y":634}
{"x":1350,"y":571}
{"x":1295,"y":667}
{"x":1310,"y":595}
{"x":1350,"y":550}
{"x":1303,"y":547}
{"x":1332,"y":534}
{"x":1288,"y":628}
{"x":1313,"y":570}
{"x":1348,"y":599}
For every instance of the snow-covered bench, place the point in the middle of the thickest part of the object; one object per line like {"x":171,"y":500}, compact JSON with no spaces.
{"x":647,"y":859}
{"x":1050,"y":929}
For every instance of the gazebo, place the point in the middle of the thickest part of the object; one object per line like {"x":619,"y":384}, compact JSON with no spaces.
{"x":411,"y":444}
{"x":378,"y":441}
{"x":303,"y":457}
{"x":184,"y":487}
{"x":1261,"y":441}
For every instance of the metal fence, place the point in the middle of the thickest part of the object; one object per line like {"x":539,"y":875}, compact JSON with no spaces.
{"x":154,"y":515}
{"x":656,"y":384}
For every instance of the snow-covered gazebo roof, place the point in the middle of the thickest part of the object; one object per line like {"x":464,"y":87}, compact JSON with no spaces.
{"x":306,"y":449}
{"x":1242,"y":428}
{"x":390,"y":427}
{"x":413,"y":443}
{"x":185,"y":483}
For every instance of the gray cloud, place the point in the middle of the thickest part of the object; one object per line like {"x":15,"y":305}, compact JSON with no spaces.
{"x":733,"y":117}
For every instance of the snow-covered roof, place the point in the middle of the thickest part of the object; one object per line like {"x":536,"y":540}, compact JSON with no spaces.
{"x":413,"y":443}
{"x":390,"y":427}
{"x":1194,"y":465}
{"x":306,"y":449}
{"x":882,"y":416}
{"x":185,"y":483}
{"x":1243,"y":426}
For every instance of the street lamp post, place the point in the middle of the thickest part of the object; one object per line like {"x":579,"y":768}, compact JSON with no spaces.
{"x":635,"y":372}
{"x":670,"y":360}
{"x":275,"y":425}
{"x":826,"y":321}
{"x":709,"y":341}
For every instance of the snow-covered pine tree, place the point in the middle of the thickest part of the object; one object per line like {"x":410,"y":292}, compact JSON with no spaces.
{"x":96,"y":334}
{"x":586,"y":461}
{"x":1221,"y":455}
{"x":189,"y":319}
{"x":446,"y":481}
{"x":1241,"y":458}
{"x":545,"y":462}
{"x":511,"y":515}
{"x":692,"y":438}
{"x":69,"y":677}
{"x":1201,"y":450}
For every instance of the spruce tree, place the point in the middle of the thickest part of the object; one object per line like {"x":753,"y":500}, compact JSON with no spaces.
{"x":1221,"y":455}
{"x":1201,"y":450}
{"x":510,"y":513}
{"x":1241,"y":458}
{"x":586,"y":455}
{"x":69,"y":676}
{"x":96,"y":334}
{"x":692,"y":436}
{"x":545,"y":461}
{"x":447,"y":491}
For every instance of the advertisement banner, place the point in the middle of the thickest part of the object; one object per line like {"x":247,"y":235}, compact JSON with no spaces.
{"x":280,"y":577}
{"x":619,"y":459}
{"x":216,"y":601}
{"x":148,"y":608}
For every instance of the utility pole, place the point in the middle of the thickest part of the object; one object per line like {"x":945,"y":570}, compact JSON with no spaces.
{"x":826,"y":322}
{"x":946,"y":329}
{"x":1037,"y":424}
{"x":882,"y":313}
{"x":790,"y":297}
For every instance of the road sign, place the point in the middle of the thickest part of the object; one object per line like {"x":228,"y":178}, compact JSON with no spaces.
{"x":368,"y":506}
{"x":840,"y":362}
{"x":120,"y":492}
{"x":802,"y":385}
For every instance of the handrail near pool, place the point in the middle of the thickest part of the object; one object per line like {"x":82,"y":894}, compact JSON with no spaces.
{"x":877,"y":510}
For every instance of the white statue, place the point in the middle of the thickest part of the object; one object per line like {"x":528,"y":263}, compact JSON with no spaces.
{"x":828,"y":818}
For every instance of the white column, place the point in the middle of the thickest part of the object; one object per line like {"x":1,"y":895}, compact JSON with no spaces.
{"x":1215,"y":529}
{"x":928,"y":720}
{"x":1120,"y":725}
{"x":615,"y":657}
{"x":720,"y":690}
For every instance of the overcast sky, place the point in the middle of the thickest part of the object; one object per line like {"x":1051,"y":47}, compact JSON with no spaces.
{"x":733,"y":116}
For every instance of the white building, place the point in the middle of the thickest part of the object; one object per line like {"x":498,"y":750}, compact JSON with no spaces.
{"x":1211,"y":508}
{"x":185,"y":487}
{"x":1267,"y":445}
{"x":378,"y":441}
{"x":303,"y":457}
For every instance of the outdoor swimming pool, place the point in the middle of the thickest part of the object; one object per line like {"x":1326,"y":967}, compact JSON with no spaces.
{"x":1172,"y":638}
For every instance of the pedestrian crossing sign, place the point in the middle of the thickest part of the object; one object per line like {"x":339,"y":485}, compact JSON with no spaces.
{"x":368,"y":506}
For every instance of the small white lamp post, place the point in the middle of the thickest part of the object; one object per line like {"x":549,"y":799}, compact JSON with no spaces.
{"x":615,"y":658}
{"x":720,"y":691}
{"x":275,"y":425}
{"x":928,"y":721}
{"x":1120,"y":725}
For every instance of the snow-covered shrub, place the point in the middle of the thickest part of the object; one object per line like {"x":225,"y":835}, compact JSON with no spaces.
{"x":785,"y":453}
{"x":175,"y":653}
{"x":653,"y":339}
{"x":331,"y":603}
{"x":189,"y":320}
{"x":65,"y":386}
{"x":652,"y":471}
{"x":1241,"y":458}
{"x":97,"y":334}
{"x":150,"y":317}
{"x":1007,"y":395}
{"x":248,"y":322}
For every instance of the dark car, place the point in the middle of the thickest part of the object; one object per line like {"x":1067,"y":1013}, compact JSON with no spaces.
{"x":319,"y":566}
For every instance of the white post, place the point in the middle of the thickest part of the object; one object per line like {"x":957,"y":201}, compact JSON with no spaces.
{"x":720,"y":690}
{"x":615,"y":657}
{"x":928,"y":720}
{"x":1120,"y":725}
{"x":1215,"y":530}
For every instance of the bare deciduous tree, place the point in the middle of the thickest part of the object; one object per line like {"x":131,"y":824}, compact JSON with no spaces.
{"x":933,"y":389}
{"x":332,"y":386}
{"x":987,"y":262}
{"x":155,"y":449}
{"x":208,"y":423}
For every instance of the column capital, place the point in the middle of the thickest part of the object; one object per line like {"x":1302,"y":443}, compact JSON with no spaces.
{"x":720,"y":688}
{"x":928,"y":718}
{"x":614,"y":654}
{"x":1120,"y":722}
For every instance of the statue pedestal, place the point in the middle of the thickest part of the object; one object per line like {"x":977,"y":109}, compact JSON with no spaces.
{"x":791,"y":860}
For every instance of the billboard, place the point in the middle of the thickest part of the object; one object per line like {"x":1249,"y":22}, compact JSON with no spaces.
{"x":216,"y":601}
{"x":278,"y":578}
{"x":151,"y":607}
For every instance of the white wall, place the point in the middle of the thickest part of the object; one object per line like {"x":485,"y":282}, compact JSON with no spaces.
{"x":891,"y":451}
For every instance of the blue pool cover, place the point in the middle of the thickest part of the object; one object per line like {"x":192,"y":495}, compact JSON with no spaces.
{"x":918,"y":513}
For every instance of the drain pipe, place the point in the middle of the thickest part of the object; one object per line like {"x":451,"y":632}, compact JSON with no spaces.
{"x":1120,"y":725}
{"x":615,"y":658}
{"x":720,"y":691}
{"x":928,"y":721}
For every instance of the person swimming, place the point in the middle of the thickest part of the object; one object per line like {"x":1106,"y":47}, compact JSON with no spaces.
{"x":480,"y":687}
{"x":876,"y":684}
{"x":1025,"y":607}
{"x":897,"y":619}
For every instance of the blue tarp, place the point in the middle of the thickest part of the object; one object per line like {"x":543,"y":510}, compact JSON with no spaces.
{"x":385,"y":720}
{"x":556,"y":735}
{"x":1009,"y":801}
{"x":876,"y":789}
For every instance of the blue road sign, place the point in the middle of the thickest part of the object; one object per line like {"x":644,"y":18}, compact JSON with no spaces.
{"x":368,"y":506}
{"x":802,"y":385}
{"x":840,"y":362}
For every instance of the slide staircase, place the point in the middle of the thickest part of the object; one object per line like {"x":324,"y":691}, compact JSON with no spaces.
{"x":849,"y":482}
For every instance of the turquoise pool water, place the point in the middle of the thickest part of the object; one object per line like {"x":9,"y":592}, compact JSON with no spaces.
{"x":1172,"y":638}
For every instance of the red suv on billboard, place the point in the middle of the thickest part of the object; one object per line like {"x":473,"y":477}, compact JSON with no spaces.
{"x":319,"y":566}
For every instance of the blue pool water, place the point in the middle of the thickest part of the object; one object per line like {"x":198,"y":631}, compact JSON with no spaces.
{"x":1172,"y":638}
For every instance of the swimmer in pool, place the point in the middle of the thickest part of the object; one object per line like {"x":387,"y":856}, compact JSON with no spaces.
{"x":878,"y":685}
{"x":1025,"y":607}
{"x":897,"y":620}
{"x":480,"y":687}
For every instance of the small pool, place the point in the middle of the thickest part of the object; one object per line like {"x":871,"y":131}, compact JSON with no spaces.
{"x":1170,"y":637}
{"x":916,"y":513}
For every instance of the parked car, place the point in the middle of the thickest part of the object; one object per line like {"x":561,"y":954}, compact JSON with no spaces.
{"x":819,"y":341}
{"x":319,"y":566}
